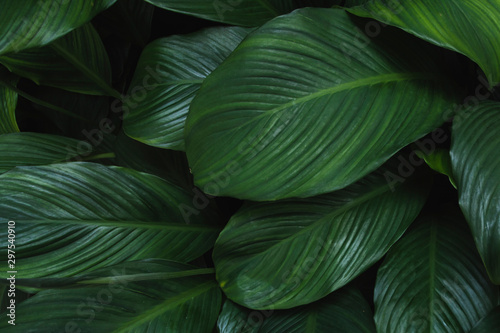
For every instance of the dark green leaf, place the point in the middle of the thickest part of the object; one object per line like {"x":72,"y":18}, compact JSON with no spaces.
{"x":433,"y":280}
{"x":77,"y":217}
{"x":488,"y":324}
{"x":292,"y":252}
{"x":8,"y":103}
{"x":169,"y":73}
{"x":307,"y":104}
{"x":476,"y":168}
{"x":146,"y":296}
{"x":468,"y":27}
{"x":27,"y":23}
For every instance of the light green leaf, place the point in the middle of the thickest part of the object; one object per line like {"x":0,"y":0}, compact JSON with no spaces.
{"x":488,"y":324}
{"x":476,"y":168}
{"x":145,"y":296}
{"x":344,"y":311}
{"x":433,"y":280}
{"x":77,"y":217}
{"x":76,"y":62}
{"x":307,"y":104}
{"x":23,"y":149}
{"x":465,"y":26}
{"x":8,"y":103}
{"x":439,"y":160}
{"x":169,"y":73}
{"x":26,"y":23}
{"x":278,"y":255}
{"x":248,"y":13}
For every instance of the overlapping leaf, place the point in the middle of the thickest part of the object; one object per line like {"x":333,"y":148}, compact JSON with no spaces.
{"x":23,"y":149}
{"x":344,"y":311}
{"x":488,"y":324}
{"x":77,"y":217}
{"x":249,"y":13}
{"x":433,"y":280}
{"x":476,"y":169}
{"x":307,"y":104}
{"x":76,"y":62}
{"x":146,"y":296}
{"x":8,"y":103}
{"x":465,"y":26}
{"x":26,"y":23}
{"x":292,"y":252}
{"x":169,"y":73}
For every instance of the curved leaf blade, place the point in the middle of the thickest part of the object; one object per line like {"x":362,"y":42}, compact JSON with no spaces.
{"x":476,"y":169}
{"x":468,"y":27}
{"x":8,"y":104}
{"x":76,"y":62}
{"x":284,"y":117}
{"x":132,"y":299}
{"x":24,"y":149}
{"x":77,"y":217}
{"x":27,"y":24}
{"x":433,"y":280}
{"x":178,"y":65}
{"x":344,"y":311}
{"x":248,"y":13}
{"x":278,"y":255}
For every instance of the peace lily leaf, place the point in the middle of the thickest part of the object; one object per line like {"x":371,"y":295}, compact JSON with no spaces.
{"x":344,"y":311}
{"x":8,"y":103}
{"x":76,"y":62}
{"x":145,"y":296}
{"x":476,"y":167}
{"x":278,"y":255}
{"x":23,"y":149}
{"x":467,"y":27}
{"x":77,"y":217}
{"x":433,"y":280}
{"x":440,"y":161}
{"x":26,"y":23}
{"x":488,"y":324}
{"x":169,"y":73}
{"x":249,"y":13}
{"x":306,"y":105}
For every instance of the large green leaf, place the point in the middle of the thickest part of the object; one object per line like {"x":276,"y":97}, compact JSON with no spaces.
{"x":76,"y":62}
{"x":23,"y":149}
{"x":344,"y":311}
{"x":476,"y":169}
{"x":76,"y":217}
{"x":8,"y":103}
{"x":27,"y":23}
{"x":146,"y":296}
{"x":169,"y":73}
{"x":466,"y":26}
{"x":307,"y":104}
{"x":488,"y":324}
{"x":433,"y":280}
{"x":249,"y":13}
{"x":278,"y":255}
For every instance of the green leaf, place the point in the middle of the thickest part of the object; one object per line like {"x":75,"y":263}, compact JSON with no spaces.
{"x":488,"y":324}
{"x":439,"y":160}
{"x":344,"y":311}
{"x":433,"y":280}
{"x":169,"y":73}
{"x":277,"y":255}
{"x":77,"y":217}
{"x":467,"y":27}
{"x":476,"y":168}
{"x":26,"y":23}
{"x":248,"y":13}
{"x":307,"y":104}
{"x":76,"y":62}
{"x":23,"y":149}
{"x":143,"y":296}
{"x":8,"y":103}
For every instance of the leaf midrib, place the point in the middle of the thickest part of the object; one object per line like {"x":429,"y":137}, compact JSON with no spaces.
{"x":163,"y":307}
